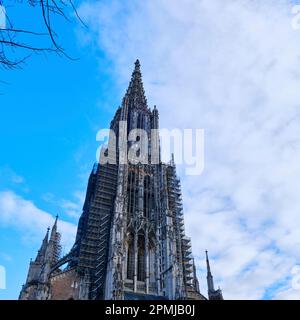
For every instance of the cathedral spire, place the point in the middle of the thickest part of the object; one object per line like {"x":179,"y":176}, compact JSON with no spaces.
{"x":212,"y":293}
{"x":54,"y":247}
{"x":210,"y":279}
{"x":47,"y":235}
{"x":135,"y":93}
{"x":42,"y":251}
{"x":54,"y":229}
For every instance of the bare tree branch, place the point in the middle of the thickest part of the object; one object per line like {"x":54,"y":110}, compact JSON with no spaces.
{"x":23,"y":31}
{"x":15,"y":39}
{"x":77,"y":15}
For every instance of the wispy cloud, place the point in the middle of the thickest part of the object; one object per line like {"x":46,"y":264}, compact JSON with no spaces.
{"x":24,"y":215}
{"x":9,"y":175}
{"x":232,"y":68}
{"x":6,"y":257}
{"x":48,"y":197}
{"x":287,"y":293}
{"x":74,"y":208}
{"x":71,"y":207}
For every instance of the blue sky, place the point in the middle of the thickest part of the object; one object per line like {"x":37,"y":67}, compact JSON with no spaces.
{"x":230,"y":68}
{"x":50,"y":113}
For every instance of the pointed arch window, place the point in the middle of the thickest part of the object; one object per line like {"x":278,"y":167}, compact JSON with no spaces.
{"x":130,"y":261}
{"x":141,"y":259}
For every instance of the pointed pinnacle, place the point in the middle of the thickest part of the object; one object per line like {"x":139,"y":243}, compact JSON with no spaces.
{"x":47,"y":234}
{"x":207,"y":262}
{"x":54,"y":228}
{"x":137,"y":64}
{"x":136,"y":70}
{"x":55,"y":222}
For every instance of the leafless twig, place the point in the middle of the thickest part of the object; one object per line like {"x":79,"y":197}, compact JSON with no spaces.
{"x":17,"y":43}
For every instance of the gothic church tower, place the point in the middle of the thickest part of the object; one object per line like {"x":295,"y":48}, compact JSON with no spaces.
{"x":131,"y":241}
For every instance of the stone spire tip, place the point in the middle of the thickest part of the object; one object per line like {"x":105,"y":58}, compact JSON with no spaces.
{"x":137,"y":63}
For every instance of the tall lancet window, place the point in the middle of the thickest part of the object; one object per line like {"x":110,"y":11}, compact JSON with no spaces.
{"x":130,"y":261}
{"x":132,"y":193}
{"x":140,"y":121}
{"x":147,"y":196}
{"x":141,"y":259}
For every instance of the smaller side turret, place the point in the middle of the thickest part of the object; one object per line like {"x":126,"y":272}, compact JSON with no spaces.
{"x":37,"y":282}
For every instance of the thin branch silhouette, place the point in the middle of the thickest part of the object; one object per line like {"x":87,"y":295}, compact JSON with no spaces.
{"x":17,"y":44}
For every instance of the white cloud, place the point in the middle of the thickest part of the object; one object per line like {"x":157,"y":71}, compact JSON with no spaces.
{"x":24,"y":215}
{"x":2,"y":278}
{"x":72,"y":208}
{"x":287,"y":294}
{"x":232,"y":68}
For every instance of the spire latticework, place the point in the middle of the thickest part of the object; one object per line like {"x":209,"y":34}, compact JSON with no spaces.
{"x":135,"y":95}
